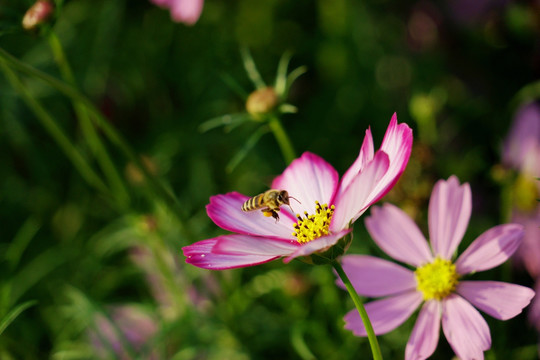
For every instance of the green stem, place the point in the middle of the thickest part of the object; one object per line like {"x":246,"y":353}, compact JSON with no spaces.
{"x":375,"y":349}
{"x":99,"y":150}
{"x":156,"y":186}
{"x":282,"y":138}
{"x":55,"y":131}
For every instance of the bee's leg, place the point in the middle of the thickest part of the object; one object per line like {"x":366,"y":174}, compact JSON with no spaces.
{"x":271,"y":212}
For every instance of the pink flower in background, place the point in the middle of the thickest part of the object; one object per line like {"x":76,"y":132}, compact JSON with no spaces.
{"x":127,"y":329}
{"x":185,"y":11}
{"x":528,"y":253}
{"x":328,"y":205}
{"x":522,"y":146}
{"x":436,"y":282}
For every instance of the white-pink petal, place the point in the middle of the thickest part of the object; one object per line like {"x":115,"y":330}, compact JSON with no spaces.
{"x":365,"y":156}
{"x":308,"y":179}
{"x":398,"y":236}
{"x":465,"y":329}
{"x":450,"y":208}
{"x":501,"y":300}
{"x":250,"y":245}
{"x":425,"y":335}
{"x":318,"y":245}
{"x":200,"y":254}
{"x":375,"y":277}
{"x":226,"y":211}
{"x":354,"y":200}
{"x":385,"y":314}
{"x":490,"y":249}
{"x":397,"y":143}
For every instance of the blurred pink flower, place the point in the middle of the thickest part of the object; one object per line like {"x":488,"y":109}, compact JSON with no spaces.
{"x":329,"y":206}
{"x":129,"y":327}
{"x":528,"y":252}
{"x":185,"y":11}
{"x":437,"y":280}
{"x":522,"y":146}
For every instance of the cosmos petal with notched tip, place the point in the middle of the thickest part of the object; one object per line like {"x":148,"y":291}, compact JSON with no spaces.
{"x":385,"y":314}
{"x":375,"y":277}
{"x":448,"y":216}
{"x":398,"y":236}
{"x":490,"y":249}
{"x":425,"y":335}
{"x":465,"y":329}
{"x":308,"y":179}
{"x":233,"y":251}
{"x":353,"y":201}
{"x":226,"y":211}
{"x":501,"y":300}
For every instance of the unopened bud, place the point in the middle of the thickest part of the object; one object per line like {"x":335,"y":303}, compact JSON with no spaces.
{"x":262,"y":101}
{"x":37,"y":14}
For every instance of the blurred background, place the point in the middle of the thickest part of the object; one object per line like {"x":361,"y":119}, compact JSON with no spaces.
{"x":94,"y":209}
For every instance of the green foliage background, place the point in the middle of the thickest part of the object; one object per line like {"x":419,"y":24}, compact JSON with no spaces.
{"x":72,"y":249}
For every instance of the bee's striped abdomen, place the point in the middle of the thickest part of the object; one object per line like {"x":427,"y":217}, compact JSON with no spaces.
{"x":254,"y":203}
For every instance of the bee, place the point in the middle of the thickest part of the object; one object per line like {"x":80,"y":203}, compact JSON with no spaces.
{"x":269,"y":202}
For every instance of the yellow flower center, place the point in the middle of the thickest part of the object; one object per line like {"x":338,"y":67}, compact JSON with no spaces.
{"x":311,"y":227}
{"x":436,"y":280}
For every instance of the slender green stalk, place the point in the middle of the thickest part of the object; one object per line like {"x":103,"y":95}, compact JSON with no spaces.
{"x":55,"y":131}
{"x":375,"y":349}
{"x":107,"y":166}
{"x":283,"y":139}
{"x":156,"y":186}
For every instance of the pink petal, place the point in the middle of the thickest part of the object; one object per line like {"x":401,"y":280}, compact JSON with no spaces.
{"x":308,"y":179}
{"x":200,"y":254}
{"x":425,"y":335}
{"x":318,"y":245}
{"x":186,"y":11}
{"x":490,"y":249}
{"x":397,"y":143}
{"x":226,"y":212}
{"x":398,"y":236}
{"x":354,"y":200}
{"x":375,"y":277}
{"x":449,"y":212}
{"x":465,"y":329}
{"x":250,"y":245}
{"x":528,"y":252}
{"x":365,"y":156}
{"x":501,"y":300}
{"x":386,"y":314}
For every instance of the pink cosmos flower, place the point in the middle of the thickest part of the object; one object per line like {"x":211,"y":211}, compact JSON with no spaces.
{"x":185,"y":11}
{"x":329,"y":206}
{"x":437,"y":281}
{"x":522,"y":146}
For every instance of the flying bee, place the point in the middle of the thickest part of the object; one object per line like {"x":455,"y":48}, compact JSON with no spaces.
{"x":269,"y":202}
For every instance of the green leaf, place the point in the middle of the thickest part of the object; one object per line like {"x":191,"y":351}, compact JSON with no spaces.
{"x":251,"y":69}
{"x":231,"y":121}
{"x":250,"y":143}
{"x":12,"y":315}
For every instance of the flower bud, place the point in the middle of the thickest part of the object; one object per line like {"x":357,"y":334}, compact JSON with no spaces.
{"x":262,"y":101}
{"x":38,"y":13}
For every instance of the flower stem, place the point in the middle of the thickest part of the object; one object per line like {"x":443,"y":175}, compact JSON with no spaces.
{"x":72,"y":153}
{"x":282,"y":138}
{"x":10,"y":62}
{"x":375,"y":349}
{"x":99,"y":150}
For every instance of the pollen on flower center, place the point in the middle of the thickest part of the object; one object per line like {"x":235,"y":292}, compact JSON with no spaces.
{"x":310,"y":227}
{"x":436,"y":280}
